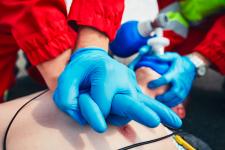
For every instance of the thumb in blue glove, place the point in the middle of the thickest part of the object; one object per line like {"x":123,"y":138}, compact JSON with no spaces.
{"x":180,"y":76}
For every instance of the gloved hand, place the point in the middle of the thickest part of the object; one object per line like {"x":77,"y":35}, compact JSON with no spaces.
{"x":143,"y":109}
{"x":154,"y":63}
{"x":125,"y":108}
{"x":180,"y":76}
{"x":93,"y":72}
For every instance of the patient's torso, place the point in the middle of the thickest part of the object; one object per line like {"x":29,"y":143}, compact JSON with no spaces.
{"x":40,"y":126}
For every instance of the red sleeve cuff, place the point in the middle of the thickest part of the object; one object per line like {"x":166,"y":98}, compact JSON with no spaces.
{"x":215,"y":54}
{"x":213,"y":47}
{"x":103,"y":15}
{"x":39,"y":27}
{"x":43,"y":47}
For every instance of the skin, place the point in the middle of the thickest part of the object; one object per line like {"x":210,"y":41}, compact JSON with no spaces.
{"x":201,"y":57}
{"x":42,"y":126}
{"x":87,"y":36}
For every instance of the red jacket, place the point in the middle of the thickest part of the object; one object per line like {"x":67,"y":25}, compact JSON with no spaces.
{"x":40,"y":27}
{"x":208,"y":38}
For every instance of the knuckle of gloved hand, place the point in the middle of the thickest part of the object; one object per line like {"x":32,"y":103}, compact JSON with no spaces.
{"x":61,"y":103}
{"x":106,"y":66}
{"x":64,"y":106}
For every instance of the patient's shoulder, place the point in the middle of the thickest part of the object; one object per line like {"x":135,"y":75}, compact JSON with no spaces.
{"x":8,"y":110}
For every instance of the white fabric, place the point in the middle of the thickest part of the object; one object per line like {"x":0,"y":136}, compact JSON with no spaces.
{"x":140,"y":10}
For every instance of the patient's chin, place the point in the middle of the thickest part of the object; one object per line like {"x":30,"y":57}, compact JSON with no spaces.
{"x":180,"y":109}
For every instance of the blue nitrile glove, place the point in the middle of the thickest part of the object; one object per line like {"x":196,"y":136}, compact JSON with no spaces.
{"x":180,"y":76}
{"x":125,"y":108}
{"x":144,"y":110}
{"x":144,"y":50}
{"x":166,"y":115}
{"x":93,"y":71}
{"x":154,"y":63}
{"x":128,"y":40}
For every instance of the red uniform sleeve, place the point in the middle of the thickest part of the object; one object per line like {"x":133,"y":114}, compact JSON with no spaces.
{"x":39,"y":27}
{"x":213,"y":46}
{"x":104,"y":15}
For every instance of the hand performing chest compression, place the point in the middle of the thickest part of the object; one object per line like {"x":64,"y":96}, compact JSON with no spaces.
{"x":98,"y":88}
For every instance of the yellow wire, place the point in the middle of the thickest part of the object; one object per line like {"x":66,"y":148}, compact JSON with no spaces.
{"x":183,"y":143}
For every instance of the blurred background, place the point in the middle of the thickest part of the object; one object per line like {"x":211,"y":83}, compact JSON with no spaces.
{"x":206,"y":107}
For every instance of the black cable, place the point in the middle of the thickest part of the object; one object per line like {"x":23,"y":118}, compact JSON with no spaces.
{"x":15,"y":115}
{"x":150,"y":141}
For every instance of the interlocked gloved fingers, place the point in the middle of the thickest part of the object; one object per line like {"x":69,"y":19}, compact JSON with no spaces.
{"x":93,"y":72}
